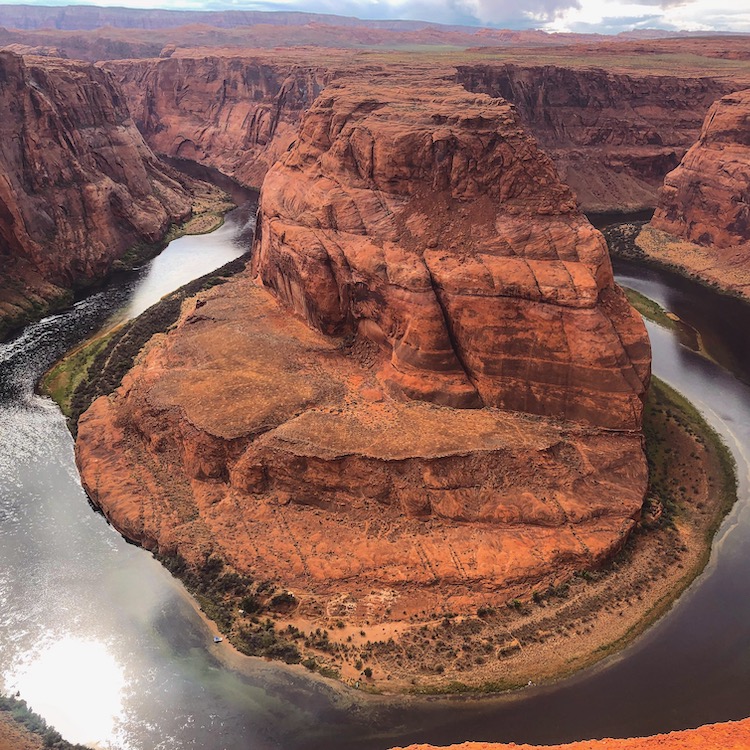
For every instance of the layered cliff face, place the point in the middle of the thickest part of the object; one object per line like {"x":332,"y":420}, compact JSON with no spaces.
{"x":79,"y":185}
{"x":435,"y":261}
{"x":236,"y":114}
{"x":613,"y":137}
{"x":706,"y":199}
{"x":702,"y":222}
{"x":427,"y":222}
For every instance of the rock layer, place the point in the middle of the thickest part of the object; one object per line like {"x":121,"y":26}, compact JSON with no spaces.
{"x":702,"y":223}
{"x":425,"y":220}
{"x":432,"y":255}
{"x":613,"y":137}
{"x":79,"y":185}
{"x":236,"y":114}
{"x":245,"y":434}
{"x":706,"y":200}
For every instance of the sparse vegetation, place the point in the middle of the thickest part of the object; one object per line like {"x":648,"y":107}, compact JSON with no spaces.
{"x":20,"y":713}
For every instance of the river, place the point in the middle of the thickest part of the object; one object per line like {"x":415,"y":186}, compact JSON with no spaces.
{"x":105,"y":644}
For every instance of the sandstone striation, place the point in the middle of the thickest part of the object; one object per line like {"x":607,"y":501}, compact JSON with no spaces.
{"x":612,"y":136}
{"x":702,"y":223}
{"x":245,"y":434}
{"x":430,"y":224}
{"x":79,"y":185}
{"x":237,"y":114}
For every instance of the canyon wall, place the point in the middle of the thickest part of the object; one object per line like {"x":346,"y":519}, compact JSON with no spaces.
{"x":424,"y":219}
{"x":237,"y":114}
{"x":706,"y":199}
{"x":702,"y":222}
{"x":79,"y":186}
{"x":613,"y":137}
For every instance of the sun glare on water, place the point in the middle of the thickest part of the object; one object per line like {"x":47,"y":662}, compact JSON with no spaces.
{"x":77,"y":686}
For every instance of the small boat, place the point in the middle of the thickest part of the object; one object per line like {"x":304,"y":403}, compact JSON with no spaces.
{"x":218,"y":639}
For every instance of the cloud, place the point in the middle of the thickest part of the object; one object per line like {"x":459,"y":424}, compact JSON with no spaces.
{"x":611,"y":16}
{"x":498,"y":12}
{"x":602,"y":16}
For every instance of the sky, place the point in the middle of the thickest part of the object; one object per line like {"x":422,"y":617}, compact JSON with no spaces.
{"x":600,"y":16}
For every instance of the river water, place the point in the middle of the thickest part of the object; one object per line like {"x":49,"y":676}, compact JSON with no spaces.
{"x":105,"y":644}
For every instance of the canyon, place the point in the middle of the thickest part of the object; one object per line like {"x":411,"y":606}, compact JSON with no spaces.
{"x":79,"y":186}
{"x":423,"y":397}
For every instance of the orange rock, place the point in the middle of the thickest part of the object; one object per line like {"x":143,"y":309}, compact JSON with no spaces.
{"x":705,"y":199}
{"x":424,"y":219}
{"x":246,"y":434}
{"x":613,"y":136}
{"x":80,"y":185}
{"x":732,"y":735}
{"x":236,"y":114}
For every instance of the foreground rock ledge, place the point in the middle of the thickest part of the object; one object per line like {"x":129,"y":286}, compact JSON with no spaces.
{"x":732,"y":735}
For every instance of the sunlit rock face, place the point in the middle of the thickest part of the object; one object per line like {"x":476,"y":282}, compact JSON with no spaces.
{"x":702,"y":222}
{"x":80,"y":186}
{"x":424,"y":219}
{"x":707,"y":198}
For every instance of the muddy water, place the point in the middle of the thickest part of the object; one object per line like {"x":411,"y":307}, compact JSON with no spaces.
{"x":105,"y":644}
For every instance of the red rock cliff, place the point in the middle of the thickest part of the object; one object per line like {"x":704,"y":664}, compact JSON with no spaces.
{"x":612,"y":136}
{"x":237,"y":114}
{"x":707,"y":198}
{"x":79,"y":185}
{"x":424,"y":219}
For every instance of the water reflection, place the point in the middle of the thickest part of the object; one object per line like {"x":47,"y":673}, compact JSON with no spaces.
{"x":186,"y":259}
{"x":77,"y":684}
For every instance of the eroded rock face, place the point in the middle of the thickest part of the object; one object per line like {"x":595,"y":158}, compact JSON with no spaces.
{"x":613,"y":137}
{"x":244,"y":433}
{"x":424,"y":219}
{"x":706,"y":200}
{"x":236,"y":114}
{"x":79,"y":185}
{"x":434,"y":261}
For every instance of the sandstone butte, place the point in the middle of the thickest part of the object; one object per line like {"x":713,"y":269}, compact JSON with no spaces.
{"x":79,"y":185}
{"x":732,"y":735}
{"x":416,"y":254}
{"x":702,"y":222}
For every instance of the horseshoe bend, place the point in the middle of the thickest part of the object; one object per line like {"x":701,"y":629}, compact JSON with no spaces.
{"x":410,"y":439}
{"x":423,"y":395}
